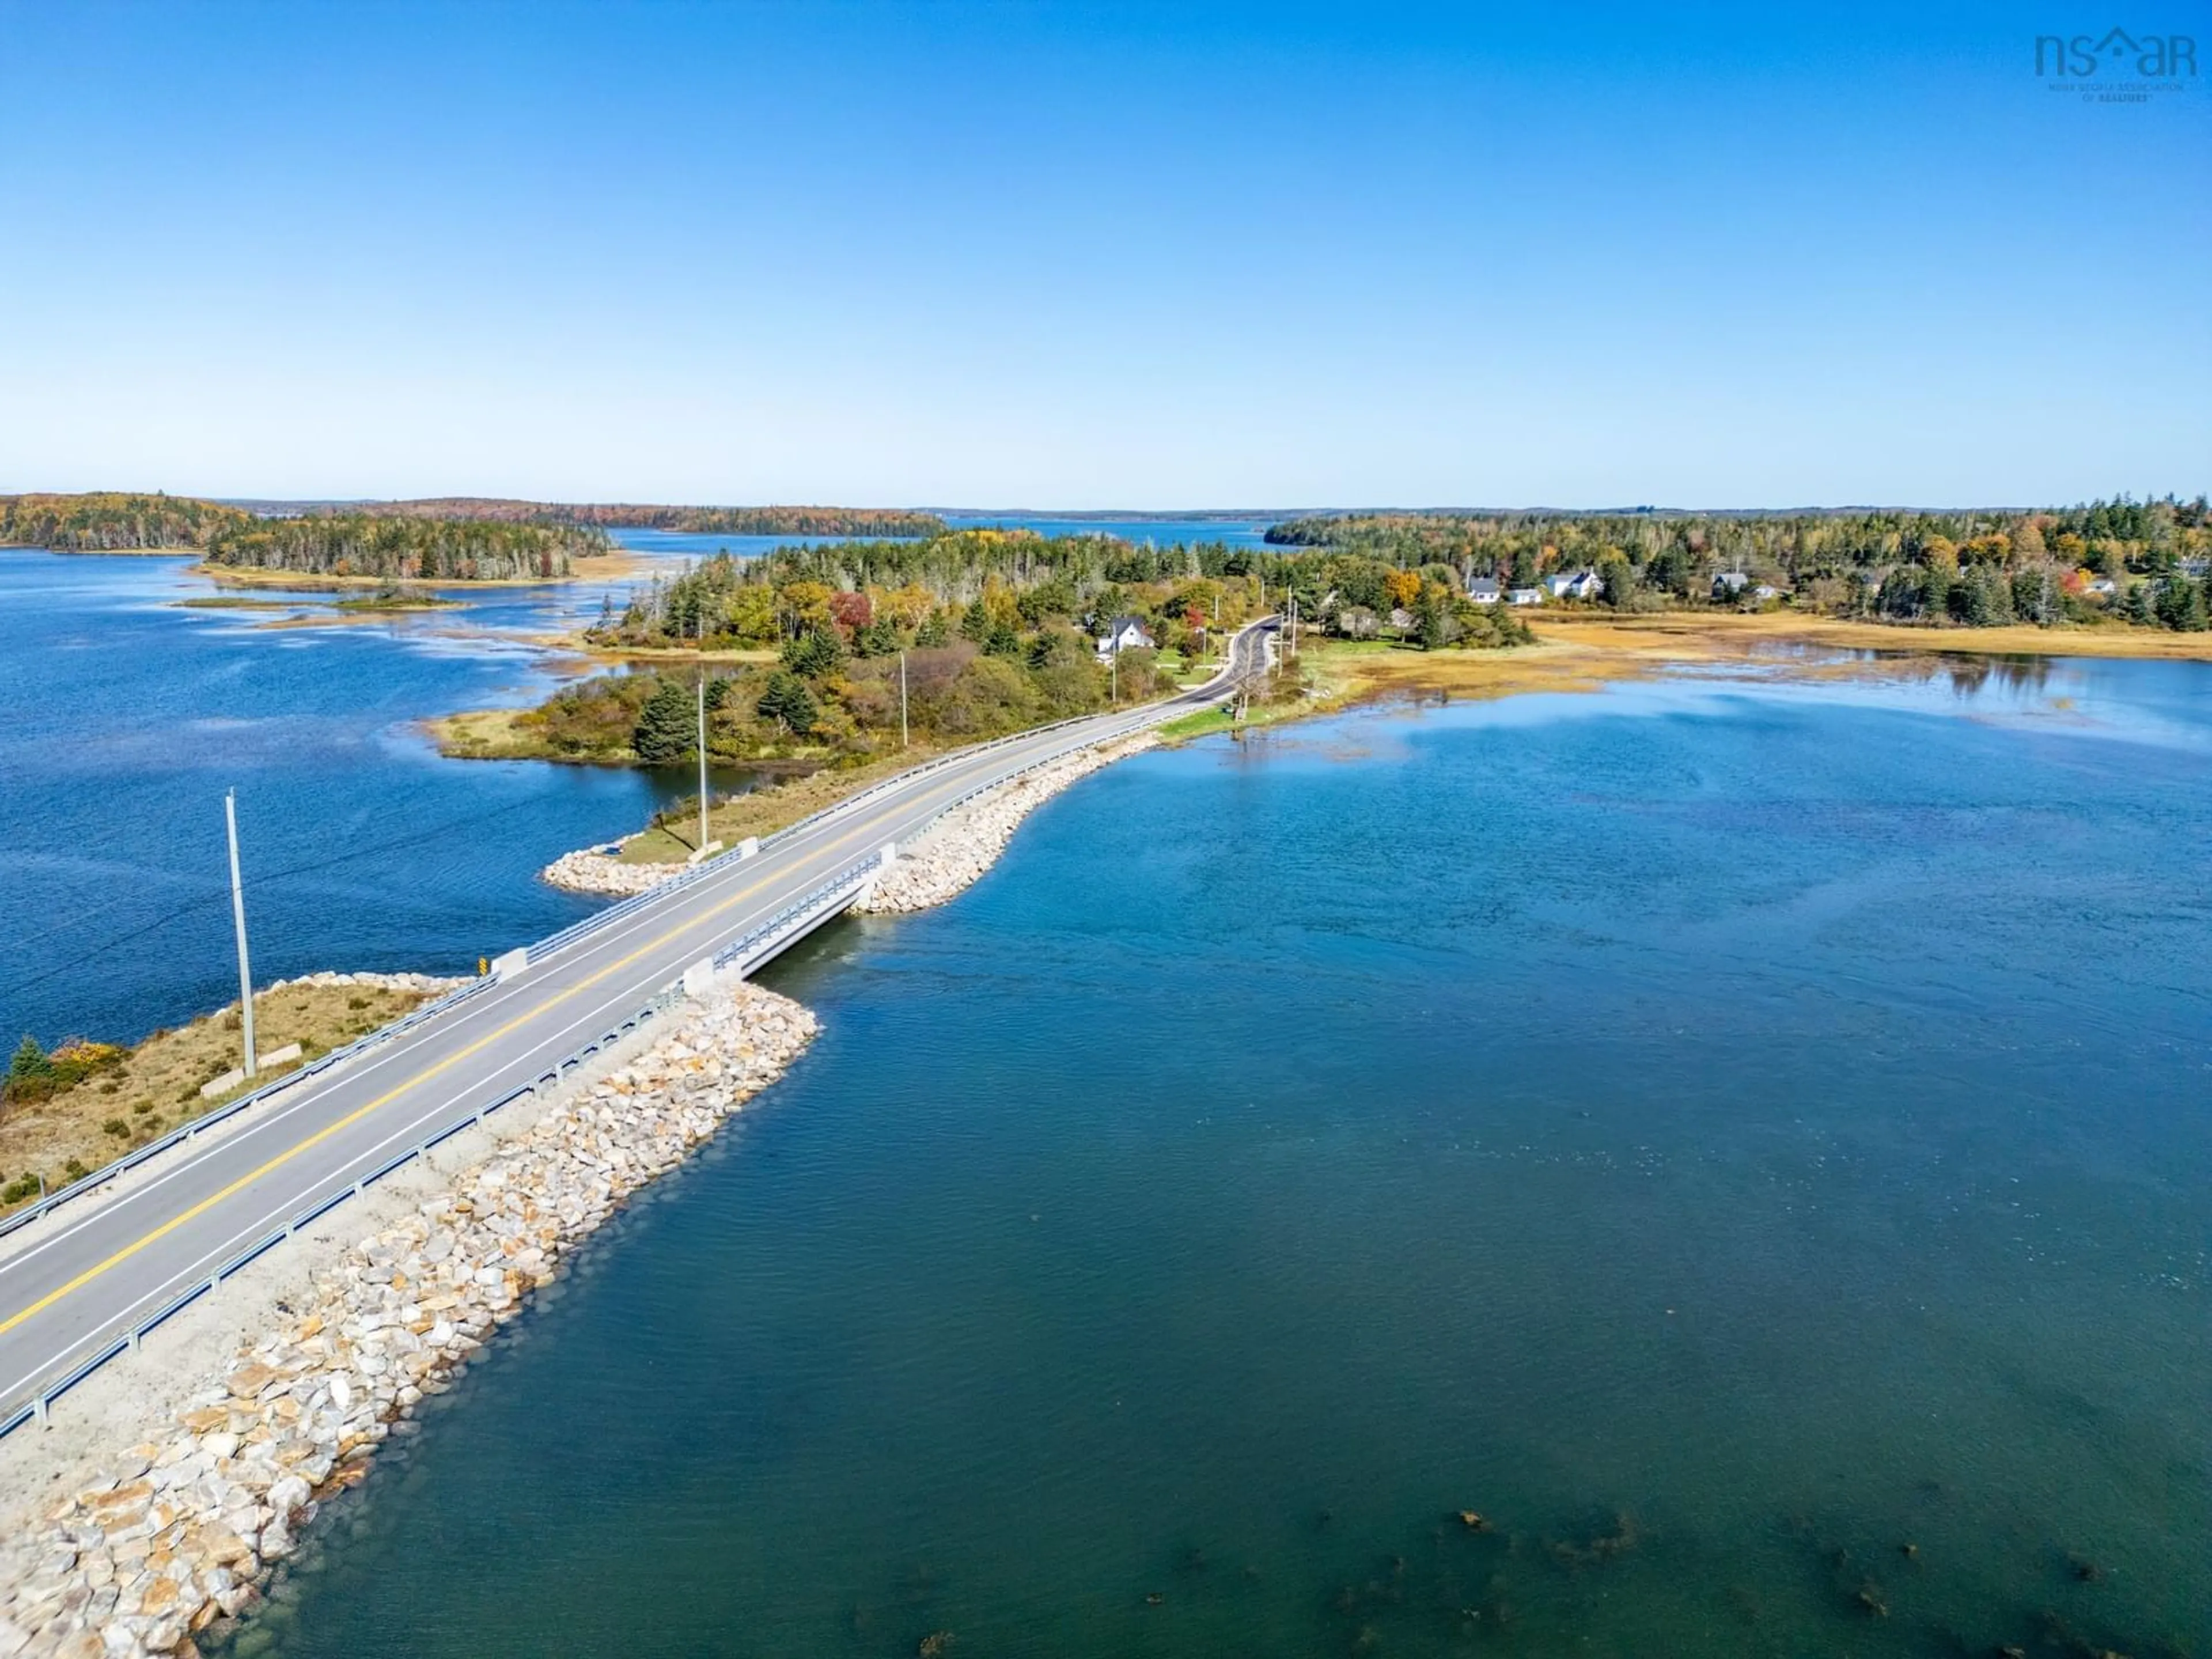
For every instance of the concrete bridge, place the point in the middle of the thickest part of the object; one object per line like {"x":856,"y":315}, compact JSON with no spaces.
{"x":85,"y":1275}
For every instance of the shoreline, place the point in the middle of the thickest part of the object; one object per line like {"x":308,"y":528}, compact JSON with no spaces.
{"x":1585,"y":654}
{"x":590,"y":567}
{"x":945,"y":861}
{"x":170,"y":1492}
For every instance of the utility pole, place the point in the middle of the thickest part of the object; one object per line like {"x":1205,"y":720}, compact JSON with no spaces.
{"x":702,"y":760}
{"x":702,"y":728}
{"x":903,"y":739}
{"x":238,"y":916}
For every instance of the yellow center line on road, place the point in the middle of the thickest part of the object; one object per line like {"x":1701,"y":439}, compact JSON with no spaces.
{"x":423,"y":1076}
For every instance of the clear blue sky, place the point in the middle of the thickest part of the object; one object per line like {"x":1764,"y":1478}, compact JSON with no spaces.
{"x":1094,"y":256}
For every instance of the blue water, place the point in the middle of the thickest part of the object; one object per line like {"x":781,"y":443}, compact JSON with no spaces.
{"x":682,"y":544}
{"x":1724,"y":1131}
{"x":1161,"y":532}
{"x":125,"y":719}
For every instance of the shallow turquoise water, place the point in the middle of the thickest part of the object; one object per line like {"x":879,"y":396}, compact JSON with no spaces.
{"x":1723,"y":1132}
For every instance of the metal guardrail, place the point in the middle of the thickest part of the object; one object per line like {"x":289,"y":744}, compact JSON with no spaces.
{"x":809,"y":908}
{"x":206,"y":1120}
{"x":35,"y":1409}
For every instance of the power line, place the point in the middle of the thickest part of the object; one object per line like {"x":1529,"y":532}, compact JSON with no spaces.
{"x":102,"y":949}
{"x":94,"y":952}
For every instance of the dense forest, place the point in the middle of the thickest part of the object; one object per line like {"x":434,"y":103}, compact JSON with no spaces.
{"x":322,"y":543}
{"x":111,"y":521}
{"x":398,"y":549}
{"x":2144,"y":562}
{"x":692,"y":521}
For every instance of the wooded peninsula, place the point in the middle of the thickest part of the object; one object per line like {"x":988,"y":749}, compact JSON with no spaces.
{"x":844,"y":652}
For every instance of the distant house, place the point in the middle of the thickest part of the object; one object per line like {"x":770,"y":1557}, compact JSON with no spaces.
{"x":1123,"y":634}
{"x":1483,"y":591}
{"x":1356,"y":622}
{"x":1730,"y":582}
{"x":1525,"y":596}
{"x":2198,"y":569}
{"x":1400,"y":618}
{"x":2101,"y":584}
{"x":1575,"y":584}
{"x":1766,"y":590}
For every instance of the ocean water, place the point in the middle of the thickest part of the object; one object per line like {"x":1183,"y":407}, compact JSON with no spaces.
{"x":1724,"y":1131}
{"x":126,"y":719}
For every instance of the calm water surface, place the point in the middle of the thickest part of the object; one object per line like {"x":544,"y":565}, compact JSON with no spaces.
{"x":1724,"y":1132}
{"x":126,"y":717}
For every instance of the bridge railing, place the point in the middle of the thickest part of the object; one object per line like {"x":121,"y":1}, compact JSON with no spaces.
{"x":230,"y":1109}
{"x":816,"y":904}
{"x":599,"y":919}
{"x":104,"y":1348}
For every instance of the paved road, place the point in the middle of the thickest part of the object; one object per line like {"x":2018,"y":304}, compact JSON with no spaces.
{"x":73,"y":1281}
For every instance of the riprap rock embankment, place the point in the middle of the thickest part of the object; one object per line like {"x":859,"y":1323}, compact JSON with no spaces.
{"x":182,"y":1528}
{"x":953,"y":852}
{"x":967,"y":840}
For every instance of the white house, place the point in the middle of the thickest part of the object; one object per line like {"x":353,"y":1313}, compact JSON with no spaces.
{"x":2102,"y":584}
{"x":1483,"y":591}
{"x":1123,"y":634}
{"x":1734,"y":581}
{"x":1575,"y":584}
{"x":1525,"y":596}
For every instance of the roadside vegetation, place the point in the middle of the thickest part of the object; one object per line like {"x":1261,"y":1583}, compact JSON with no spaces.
{"x":66,"y":1111}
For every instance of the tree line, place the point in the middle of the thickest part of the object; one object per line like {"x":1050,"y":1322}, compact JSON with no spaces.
{"x":323,"y":543}
{"x":2147,"y":563}
{"x":113,"y":521}
{"x":405,"y":549}
{"x":691,"y":520}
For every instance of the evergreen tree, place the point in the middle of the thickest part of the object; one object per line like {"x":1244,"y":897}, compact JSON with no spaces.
{"x":667,"y":727}
{"x":30,"y":1064}
{"x":788,"y":702}
{"x":1430,"y":619}
{"x":2180,"y":605}
{"x":813,"y":653}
